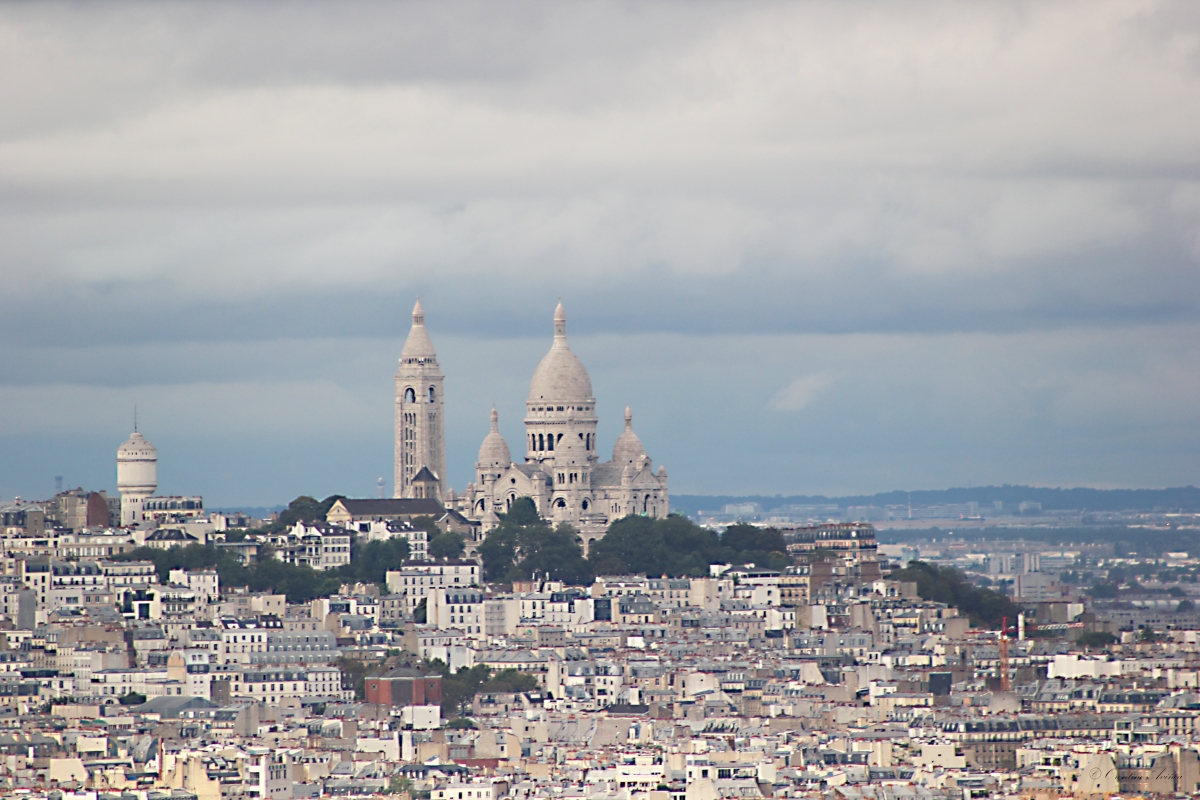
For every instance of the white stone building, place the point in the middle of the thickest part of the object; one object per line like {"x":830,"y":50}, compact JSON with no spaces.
{"x":457,"y":609}
{"x":137,"y":476}
{"x":561,"y":471}
{"x":420,"y":431}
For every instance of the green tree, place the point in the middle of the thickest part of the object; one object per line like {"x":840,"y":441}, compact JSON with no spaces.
{"x":524,"y":544}
{"x":748,"y":543}
{"x":446,"y":545}
{"x":555,"y":553}
{"x":426,"y":523}
{"x":674,"y":546}
{"x":510,"y":680}
{"x":370,"y":562}
{"x":499,"y":551}
{"x":459,"y":689}
{"x":421,"y":613}
{"x":1185,"y":605}
{"x":132,"y":699}
{"x":304,"y":509}
{"x":949,"y":586}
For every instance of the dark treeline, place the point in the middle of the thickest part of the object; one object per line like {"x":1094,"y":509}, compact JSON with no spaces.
{"x":949,"y":586}
{"x":1079,"y":499}
{"x":524,"y":546}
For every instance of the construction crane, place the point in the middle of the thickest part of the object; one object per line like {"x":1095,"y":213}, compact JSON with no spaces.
{"x":1004,"y":683}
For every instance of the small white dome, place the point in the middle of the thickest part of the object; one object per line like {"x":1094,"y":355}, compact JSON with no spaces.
{"x":561,"y":376}
{"x":628,"y":448}
{"x":136,"y":447}
{"x":494,"y":450}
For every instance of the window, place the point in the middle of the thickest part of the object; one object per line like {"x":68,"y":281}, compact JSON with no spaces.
{"x":409,"y":395}
{"x":431,"y":394}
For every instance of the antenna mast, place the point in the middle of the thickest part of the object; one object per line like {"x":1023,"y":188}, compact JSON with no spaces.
{"x":1004,"y":682}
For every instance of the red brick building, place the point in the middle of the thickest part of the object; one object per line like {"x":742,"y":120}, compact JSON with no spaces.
{"x":404,"y":687}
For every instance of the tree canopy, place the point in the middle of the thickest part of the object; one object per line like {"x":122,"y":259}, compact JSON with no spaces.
{"x":524,"y":545}
{"x":446,"y":545}
{"x":949,"y":586}
{"x":304,"y":509}
{"x":677,"y":547}
{"x":459,"y":688}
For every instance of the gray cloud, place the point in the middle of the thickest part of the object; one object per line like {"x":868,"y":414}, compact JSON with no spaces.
{"x":226,"y":209}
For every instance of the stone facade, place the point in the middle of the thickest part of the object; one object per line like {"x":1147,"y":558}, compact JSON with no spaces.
{"x":420,"y":422}
{"x":561,"y":472}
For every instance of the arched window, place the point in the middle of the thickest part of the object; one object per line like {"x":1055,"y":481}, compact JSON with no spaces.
{"x":560,"y":503}
{"x":431,"y":394}
{"x":550,"y":442}
{"x":541,"y":442}
{"x":585,"y":505}
{"x":409,"y":395}
{"x":588,"y":442}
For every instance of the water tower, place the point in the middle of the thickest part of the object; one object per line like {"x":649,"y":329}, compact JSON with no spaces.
{"x":137,"y":476}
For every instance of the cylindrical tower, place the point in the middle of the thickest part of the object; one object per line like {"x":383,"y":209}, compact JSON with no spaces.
{"x":137,"y":476}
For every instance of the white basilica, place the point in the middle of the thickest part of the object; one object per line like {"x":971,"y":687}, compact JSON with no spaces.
{"x":561,"y":471}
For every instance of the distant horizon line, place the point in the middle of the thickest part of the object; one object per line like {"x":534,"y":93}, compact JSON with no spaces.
{"x":1189,"y":492}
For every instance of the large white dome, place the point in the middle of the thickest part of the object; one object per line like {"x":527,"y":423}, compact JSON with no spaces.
{"x":561,"y":376}
{"x":494,"y":450}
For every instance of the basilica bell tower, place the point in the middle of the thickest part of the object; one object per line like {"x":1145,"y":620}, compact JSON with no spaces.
{"x":420,"y":419}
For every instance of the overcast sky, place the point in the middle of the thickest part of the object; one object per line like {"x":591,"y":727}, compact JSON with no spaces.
{"x":818,"y":247}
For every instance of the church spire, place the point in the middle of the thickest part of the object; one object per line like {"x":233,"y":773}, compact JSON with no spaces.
{"x":418,"y":345}
{"x":560,"y":322}
{"x":420,"y":429}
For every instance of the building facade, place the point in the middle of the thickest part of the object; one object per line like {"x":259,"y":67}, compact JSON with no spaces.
{"x":420,"y":432}
{"x":561,"y":471}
